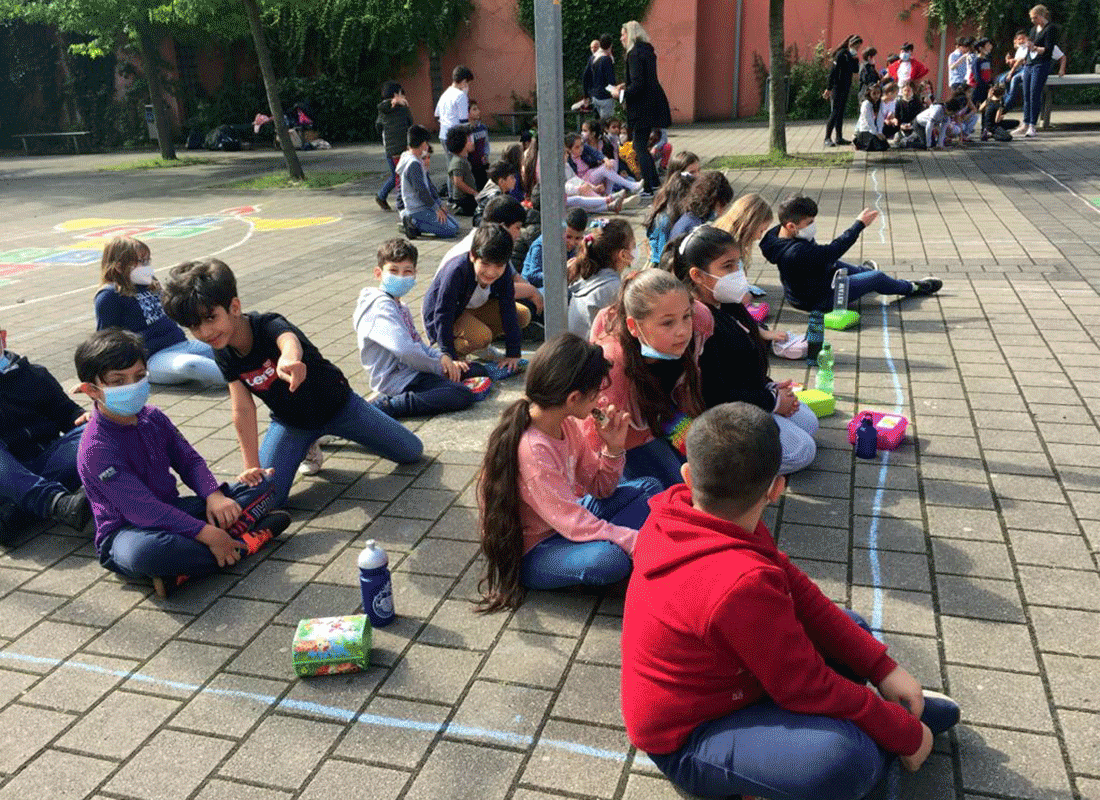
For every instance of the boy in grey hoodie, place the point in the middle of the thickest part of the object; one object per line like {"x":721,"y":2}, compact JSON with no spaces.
{"x":412,"y":378}
{"x":424,"y":211}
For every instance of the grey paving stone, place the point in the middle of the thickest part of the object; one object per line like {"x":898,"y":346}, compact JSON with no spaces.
{"x":391,"y":641}
{"x":1089,"y":788}
{"x":102,"y":604}
{"x":1021,"y":487}
{"x":456,"y":624}
{"x":454,"y":477}
{"x":68,"y":776}
{"x":529,"y":658}
{"x":499,"y":713}
{"x":1082,"y":735}
{"x":602,"y":643}
{"x":1053,"y":586}
{"x":275,"y":580}
{"x":117,"y":726}
{"x":959,"y":523}
{"x":902,"y":612}
{"x":393,"y":731}
{"x":979,"y":598}
{"x":230,"y":790}
{"x":972,"y":558}
{"x":553,"y":613}
{"x":313,"y":545}
{"x":1073,"y":680}
{"x":462,"y":771}
{"x":13,"y":684}
{"x":229,"y":706}
{"x":350,"y":515}
{"x":421,"y":503}
{"x":590,"y":693}
{"x":401,"y":533}
{"x":1047,"y":549}
{"x":281,"y":752}
{"x":807,"y":541}
{"x":431,"y":673}
{"x":457,"y":522}
{"x":907,"y":571}
{"x":77,"y":686}
{"x":1023,"y":765}
{"x":1018,"y":463}
{"x":1066,"y":630}
{"x":344,"y":779}
{"x":138,"y":634}
{"x":440,"y":557}
{"x":329,"y":697}
{"x":585,"y":765}
{"x":378,"y":487}
{"x":815,"y":510}
{"x":24,"y":609}
{"x":269,"y":655}
{"x":24,"y":731}
{"x":988,"y":644}
{"x":50,"y":640}
{"x":158,"y":772}
{"x":919,"y":655}
{"x":193,"y":596}
{"x":230,"y":621}
{"x":991,"y":697}
{"x":322,"y":600}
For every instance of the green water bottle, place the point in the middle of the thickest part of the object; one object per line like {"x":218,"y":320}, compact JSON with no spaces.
{"x":823,"y":381}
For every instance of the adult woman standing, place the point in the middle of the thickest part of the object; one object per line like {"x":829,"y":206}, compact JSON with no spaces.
{"x":1042,"y":41}
{"x":845,"y":65}
{"x":646,"y":103}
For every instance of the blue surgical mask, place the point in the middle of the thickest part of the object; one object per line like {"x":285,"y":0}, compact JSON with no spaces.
{"x":5,"y":362}
{"x":128,"y":400}
{"x":649,"y":352}
{"x":397,"y":286}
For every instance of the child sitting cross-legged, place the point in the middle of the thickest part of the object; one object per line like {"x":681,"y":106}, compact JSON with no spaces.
{"x":411,"y":377}
{"x":739,"y":676}
{"x":554,"y":510}
{"x":144,"y":529}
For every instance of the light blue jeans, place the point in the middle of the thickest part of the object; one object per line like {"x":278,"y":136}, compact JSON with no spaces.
{"x":284,"y":447}
{"x":427,"y":222}
{"x":187,"y":361}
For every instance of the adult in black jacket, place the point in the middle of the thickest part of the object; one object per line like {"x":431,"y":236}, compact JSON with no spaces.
{"x":40,"y":429}
{"x":845,"y":65}
{"x":646,"y":103}
{"x":598,"y":75}
{"x":1042,"y":39}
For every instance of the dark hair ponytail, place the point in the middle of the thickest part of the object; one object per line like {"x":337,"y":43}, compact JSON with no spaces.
{"x":598,"y":248}
{"x":564,"y":365}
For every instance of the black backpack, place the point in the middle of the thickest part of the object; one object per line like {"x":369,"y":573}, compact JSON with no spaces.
{"x":224,"y":138}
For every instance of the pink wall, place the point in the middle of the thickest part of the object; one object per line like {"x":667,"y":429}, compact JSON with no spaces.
{"x":672,"y":27}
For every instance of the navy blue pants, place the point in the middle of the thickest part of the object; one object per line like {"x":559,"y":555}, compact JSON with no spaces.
{"x":33,"y":484}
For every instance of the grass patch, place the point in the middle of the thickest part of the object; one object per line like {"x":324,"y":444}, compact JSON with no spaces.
{"x":790,"y":161}
{"x":314,"y":180}
{"x":158,"y":163}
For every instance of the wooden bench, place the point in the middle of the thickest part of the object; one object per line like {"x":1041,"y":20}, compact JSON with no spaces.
{"x":74,"y":136}
{"x":1059,"y":81}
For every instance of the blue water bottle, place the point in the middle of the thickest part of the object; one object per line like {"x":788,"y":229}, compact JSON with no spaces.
{"x":867,"y":438}
{"x":374,"y":582}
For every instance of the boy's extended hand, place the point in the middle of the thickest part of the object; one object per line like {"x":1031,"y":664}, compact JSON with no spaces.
{"x":867,"y":216}
{"x":221,"y":511}
{"x":291,"y":370}
{"x":453,"y":370}
{"x":510,"y":364}
{"x":614,"y":430}
{"x":225,"y":548}
{"x":902,"y":688}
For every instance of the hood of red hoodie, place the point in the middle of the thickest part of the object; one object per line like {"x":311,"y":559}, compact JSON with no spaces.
{"x":686,"y":534}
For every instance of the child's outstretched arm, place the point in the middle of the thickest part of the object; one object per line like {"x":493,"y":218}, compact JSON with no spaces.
{"x":828,"y":253}
{"x":290,"y":367}
{"x":244,"y":422}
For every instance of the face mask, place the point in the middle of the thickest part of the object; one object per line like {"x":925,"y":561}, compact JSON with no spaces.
{"x":853,"y":51}
{"x":732,"y":287}
{"x":397,"y":286}
{"x":809,"y":232}
{"x":649,"y":352}
{"x":142,"y":275}
{"x":5,"y":362}
{"x":126,"y":400}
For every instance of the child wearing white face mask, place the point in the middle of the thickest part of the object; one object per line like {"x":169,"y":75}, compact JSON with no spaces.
{"x":733,"y":365}
{"x":130,"y":299}
{"x":806,"y":268}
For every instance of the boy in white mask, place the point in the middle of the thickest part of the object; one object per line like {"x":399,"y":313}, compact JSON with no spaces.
{"x":130,"y":299}
{"x":806,"y":268}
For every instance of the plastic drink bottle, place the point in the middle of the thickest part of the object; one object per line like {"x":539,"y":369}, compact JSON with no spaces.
{"x":815,"y":336}
{"x":840,"y":289}
{"x":823,"y":381}
{"x":374,"y":583}
{"x":867,"y":438}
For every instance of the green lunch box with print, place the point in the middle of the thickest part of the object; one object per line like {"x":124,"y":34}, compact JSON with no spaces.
{"x":332,"y":645}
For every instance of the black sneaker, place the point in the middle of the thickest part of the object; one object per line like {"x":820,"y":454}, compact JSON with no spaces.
{"x":72,"y":508}
{"x":411,"y":231}
{"x":382,"y":204}
{"x":925,"y":287}
{"x":270,"y":526}
{"x":841,"y":141}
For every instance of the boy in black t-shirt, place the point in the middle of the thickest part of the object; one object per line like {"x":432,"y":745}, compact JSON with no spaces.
{"x":266,"y":356}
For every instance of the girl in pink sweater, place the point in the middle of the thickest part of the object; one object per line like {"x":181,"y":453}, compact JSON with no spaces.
{"x":553,"y":510}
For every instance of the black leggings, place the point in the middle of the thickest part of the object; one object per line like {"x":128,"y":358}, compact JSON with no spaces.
{"x":640,"y":140}
{"x":836,"y":116}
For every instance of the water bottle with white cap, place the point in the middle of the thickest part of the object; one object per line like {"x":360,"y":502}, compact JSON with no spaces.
{"x":374,"y":582}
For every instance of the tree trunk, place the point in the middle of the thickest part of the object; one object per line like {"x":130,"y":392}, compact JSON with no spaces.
{"x":777,"y":97}
{"x":435,"y":76}
{"x":70,"y":108}
{"x":150,"y":64}
{"x":263,"y":55}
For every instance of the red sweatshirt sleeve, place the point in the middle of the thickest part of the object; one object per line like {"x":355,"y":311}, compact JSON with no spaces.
{"x":791,"y":669}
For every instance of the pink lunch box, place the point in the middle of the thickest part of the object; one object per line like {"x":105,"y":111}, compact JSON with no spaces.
{"x":891,"y":428}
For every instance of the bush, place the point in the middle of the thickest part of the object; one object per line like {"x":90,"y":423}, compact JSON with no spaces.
{"x":806,"y":81}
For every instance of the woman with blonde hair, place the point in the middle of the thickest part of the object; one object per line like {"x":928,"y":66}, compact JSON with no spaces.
{"x":1042,"y":40}
{"x":646,"y":103}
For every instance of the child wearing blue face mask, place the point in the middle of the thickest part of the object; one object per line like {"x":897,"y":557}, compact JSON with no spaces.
{"x":144,"y":529}
{"x":412,"y":378}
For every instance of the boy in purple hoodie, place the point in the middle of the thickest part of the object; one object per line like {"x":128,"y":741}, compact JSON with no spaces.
{"x":144,"y":529}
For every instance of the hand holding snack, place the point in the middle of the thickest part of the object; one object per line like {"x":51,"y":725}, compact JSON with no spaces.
{"x":612,"y":426}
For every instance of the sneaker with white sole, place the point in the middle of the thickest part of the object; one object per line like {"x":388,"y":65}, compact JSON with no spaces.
{"x":490,"y":353}
{"x":313,"y":461}
{"x":630,"y":201}
{"x":941,"y":713}
{"x":1030,"y":132}
{"x":1019,"y":131}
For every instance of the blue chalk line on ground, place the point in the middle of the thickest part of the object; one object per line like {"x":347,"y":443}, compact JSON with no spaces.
{"x":878,"y":208}
{"x":332,"y":712}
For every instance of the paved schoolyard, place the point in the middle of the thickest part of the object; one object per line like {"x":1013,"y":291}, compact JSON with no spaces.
{"x":973,"y":546}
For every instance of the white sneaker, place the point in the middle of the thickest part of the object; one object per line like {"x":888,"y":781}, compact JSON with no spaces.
{"x":311,"y":464}
{"x":1030,"y":132}
{"x":630,"y":201}
{"x":1020,"y":130}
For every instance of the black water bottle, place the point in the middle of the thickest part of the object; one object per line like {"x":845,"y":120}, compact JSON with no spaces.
{"x":815,"y":337}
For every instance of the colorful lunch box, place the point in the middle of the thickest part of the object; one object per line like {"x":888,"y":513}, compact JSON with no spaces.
{"x":891,"y":428}
{"x":331,"y":645}
{"x":758,"y":311}
{"x":821,"y":403}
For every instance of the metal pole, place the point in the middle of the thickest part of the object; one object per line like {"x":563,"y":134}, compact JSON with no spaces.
{"x":551,"y":139}
{"x":737,"y":60}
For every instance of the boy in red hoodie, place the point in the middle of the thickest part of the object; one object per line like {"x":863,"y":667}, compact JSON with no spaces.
{"x":739,"y":675}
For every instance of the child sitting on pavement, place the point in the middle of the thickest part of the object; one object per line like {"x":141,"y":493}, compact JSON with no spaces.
{"x":479,"y":155}
{"x":424,"y":210}
{"x":144,"y":529}
{"x":576,"y":223}
{"x":739,"y":676}
{"x":40,"y":428}
{"x":501,"y":181}
{"x":411,"y":378}
{"x":263,"y":355}
{"x":806,"y":268}
{"x":460,"y":172}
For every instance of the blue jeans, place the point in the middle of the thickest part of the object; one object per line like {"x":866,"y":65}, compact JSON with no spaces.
{"x":429,"y":395}
{"x":557,"y":562}
{"x":766,"y":750}
{"x":284,"y":447}
{"x":427,"y":222}
{"x":32,"y":485}
{"x":864,"y":280}
{"x":1014,"y":89}
{"x":144,"y":553}
{"x":655,"y":459}
{"x":189,"y":360}
{"x":1035,"y":78}
{"x":392,"y":182}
